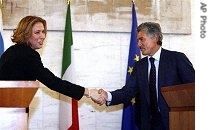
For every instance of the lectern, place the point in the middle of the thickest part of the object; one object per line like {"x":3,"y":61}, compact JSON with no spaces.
{"x":181,"y":101}
{"x":15,"y":97}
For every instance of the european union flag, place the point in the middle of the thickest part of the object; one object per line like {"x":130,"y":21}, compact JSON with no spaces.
{"x":1,"y":28}
{"x":1,"y":45}
{"x":128,"y":119}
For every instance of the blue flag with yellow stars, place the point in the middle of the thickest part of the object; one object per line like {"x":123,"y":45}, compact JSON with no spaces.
{"x":128,"y":118}
{"x":1,"y":29}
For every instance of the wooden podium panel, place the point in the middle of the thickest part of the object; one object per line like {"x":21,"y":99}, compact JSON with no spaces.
{"x":181,"y":101}
{"x":15,"y":97}
{"x":181,"y":97}
{"x":182,"y":120}
{"x":17,"y":93}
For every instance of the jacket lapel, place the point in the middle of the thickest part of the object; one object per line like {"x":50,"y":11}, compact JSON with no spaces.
{"x":144,"y":79}
{"x":162,"y":68}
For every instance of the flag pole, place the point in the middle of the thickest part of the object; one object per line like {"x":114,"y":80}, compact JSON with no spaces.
{"x":1,"y":4}
{"x":68,"y":2}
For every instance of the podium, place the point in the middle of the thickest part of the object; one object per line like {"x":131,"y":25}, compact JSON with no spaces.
{"x":15,"y":97}
{"x":181,"y":101}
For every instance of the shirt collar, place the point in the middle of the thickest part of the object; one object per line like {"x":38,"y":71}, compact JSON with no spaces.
{"x":156,"y":56}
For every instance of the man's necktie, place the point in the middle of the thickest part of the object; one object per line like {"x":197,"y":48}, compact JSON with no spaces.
{"x":152,"y":86}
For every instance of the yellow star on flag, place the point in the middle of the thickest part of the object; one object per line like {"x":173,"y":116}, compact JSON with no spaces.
{"x":130,"y":70}
{"x":133,"y":101}
{"x":136,"y":58}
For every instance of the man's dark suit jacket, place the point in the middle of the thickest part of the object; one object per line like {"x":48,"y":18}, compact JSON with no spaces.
{"x":174,"y":68}
{"x":20,"y":62}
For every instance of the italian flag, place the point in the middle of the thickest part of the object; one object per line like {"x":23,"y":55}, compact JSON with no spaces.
{"x":68,"y":107}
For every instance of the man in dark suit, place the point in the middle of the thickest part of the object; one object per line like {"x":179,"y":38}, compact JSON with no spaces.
{"x":172,"y":68}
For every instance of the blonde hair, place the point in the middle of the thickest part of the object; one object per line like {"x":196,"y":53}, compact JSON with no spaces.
{"x":23,"y":30}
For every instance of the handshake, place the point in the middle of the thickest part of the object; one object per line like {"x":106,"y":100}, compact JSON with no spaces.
{"x":98,"y":96}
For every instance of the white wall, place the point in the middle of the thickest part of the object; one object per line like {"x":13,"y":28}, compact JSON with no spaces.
{"x":101,"y":60}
